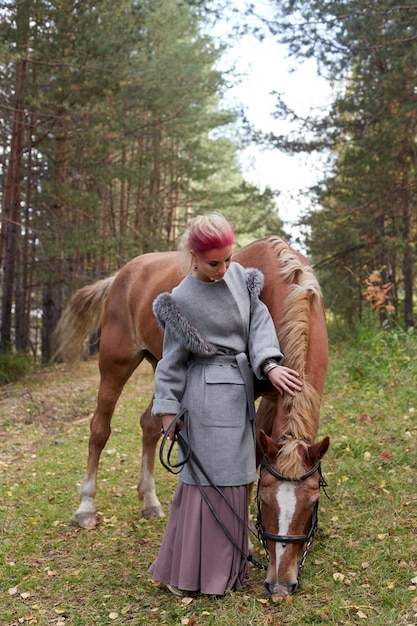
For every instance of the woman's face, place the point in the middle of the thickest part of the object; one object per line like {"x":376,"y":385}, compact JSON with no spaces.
{"x":212,"y":264}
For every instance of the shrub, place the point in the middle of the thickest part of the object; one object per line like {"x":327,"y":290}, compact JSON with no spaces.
{"x":14,"y":366}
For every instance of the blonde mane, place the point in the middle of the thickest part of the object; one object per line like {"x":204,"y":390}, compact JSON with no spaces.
{"x":303,"y":408}
{"x":289,"y":462}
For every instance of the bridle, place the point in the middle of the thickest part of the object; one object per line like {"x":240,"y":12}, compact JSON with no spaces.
{"x":284,"y":539}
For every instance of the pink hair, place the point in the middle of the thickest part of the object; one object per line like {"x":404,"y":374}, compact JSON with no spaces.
{"x":209,"y":232}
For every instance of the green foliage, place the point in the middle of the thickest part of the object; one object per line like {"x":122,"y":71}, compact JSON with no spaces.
{"x":14,"y":366}
{"x":376,"y":357}
{"x":364,"y":216}
{"x":122,"y":139}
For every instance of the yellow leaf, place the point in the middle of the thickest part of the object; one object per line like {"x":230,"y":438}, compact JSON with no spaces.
{"x":366,"y":456}
{"x":113,"y":615}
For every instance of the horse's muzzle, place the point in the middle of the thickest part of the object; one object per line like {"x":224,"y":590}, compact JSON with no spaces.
{"x":280,"y":591}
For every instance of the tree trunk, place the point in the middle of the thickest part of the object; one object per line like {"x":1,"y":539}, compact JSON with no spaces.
{"x":12,"y":207}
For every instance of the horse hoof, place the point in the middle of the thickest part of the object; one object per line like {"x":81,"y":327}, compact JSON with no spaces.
{"x":86,"y":520}
{"x":153,"y":512}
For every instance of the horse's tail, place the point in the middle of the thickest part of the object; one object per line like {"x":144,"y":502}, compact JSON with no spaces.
{"x":80,"y":319}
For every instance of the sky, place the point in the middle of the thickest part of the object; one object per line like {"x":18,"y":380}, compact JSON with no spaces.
{"x":265,"y":67}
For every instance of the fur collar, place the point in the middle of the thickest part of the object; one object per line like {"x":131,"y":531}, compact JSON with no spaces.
{"x":166,"y":311}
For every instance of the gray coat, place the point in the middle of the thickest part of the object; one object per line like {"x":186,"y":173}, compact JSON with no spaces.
{"x":216,"y":335}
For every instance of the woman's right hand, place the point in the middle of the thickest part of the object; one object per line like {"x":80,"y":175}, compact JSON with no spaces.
{"x":166,"y":422}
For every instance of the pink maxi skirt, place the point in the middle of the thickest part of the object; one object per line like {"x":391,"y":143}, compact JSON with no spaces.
{"x":196,"y":554}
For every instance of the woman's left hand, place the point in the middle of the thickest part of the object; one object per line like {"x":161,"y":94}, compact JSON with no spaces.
{"x":285,"y":380}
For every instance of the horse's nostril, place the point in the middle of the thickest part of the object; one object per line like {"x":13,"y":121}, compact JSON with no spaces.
{"x":294,"y":587}
{"x":268,"y":587}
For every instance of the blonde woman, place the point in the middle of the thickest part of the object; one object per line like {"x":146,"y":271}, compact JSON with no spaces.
{"x":217,"y":335}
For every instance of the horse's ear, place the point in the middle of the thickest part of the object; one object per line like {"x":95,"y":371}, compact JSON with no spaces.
{"x":267,"y":445}
{"x":319,"y":449}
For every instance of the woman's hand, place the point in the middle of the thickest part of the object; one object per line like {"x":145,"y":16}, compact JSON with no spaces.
{"x":285,"y":380}
{"x":166,"y":421}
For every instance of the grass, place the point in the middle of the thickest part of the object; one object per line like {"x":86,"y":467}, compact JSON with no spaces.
{"x":362,"y":568}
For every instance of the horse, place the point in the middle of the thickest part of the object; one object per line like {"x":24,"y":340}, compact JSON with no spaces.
{"x":121,"y":306}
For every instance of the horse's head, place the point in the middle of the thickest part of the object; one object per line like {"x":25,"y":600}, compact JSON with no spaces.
{"x":288,"y":495}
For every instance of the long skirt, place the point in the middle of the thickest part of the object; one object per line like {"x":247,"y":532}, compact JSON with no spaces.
{"x":196,"y":554}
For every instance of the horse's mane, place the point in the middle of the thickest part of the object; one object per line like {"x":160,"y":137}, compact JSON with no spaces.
{"x":304,"y":294}
{"x":289,"y":462}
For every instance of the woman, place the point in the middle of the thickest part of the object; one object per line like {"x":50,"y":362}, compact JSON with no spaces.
{"x":217,"y":334}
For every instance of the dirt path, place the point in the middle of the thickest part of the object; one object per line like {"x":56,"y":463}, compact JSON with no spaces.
{"x":35,"y":408}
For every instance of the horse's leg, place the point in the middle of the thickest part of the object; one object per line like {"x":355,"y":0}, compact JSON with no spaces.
{"x":114,"y":376}
{"x":151,"y":432}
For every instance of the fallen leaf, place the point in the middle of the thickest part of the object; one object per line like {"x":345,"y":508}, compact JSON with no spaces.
{"x":187,"y":600}
{"x":338,"y":577}
{"x":365,"y":565}
{"x":362,"y":615}
{"x":366,"y":456}
{"x":414,"y":580}
{"x":12,"y":591}
{"x":365,"y":418}
{"x":113,"y":615}
{"x":386,"y":456}
{"x":25,"y":595}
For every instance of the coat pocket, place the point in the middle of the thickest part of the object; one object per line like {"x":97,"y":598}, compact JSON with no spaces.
{"x":224,"y":397}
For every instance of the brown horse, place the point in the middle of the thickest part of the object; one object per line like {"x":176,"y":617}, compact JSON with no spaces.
{"x":122,"y":306}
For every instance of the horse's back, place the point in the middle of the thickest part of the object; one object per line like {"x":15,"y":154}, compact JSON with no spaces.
{"x":128,"y":325}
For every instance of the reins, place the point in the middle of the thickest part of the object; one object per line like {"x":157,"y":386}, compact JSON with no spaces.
{"x":189,"y":457}
{"x":261,"y":534}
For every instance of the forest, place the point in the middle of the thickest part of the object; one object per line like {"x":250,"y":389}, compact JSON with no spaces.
{"x":114,"y":133}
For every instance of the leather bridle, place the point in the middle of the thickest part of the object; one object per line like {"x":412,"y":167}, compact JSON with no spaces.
{"x":284,"y":539}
